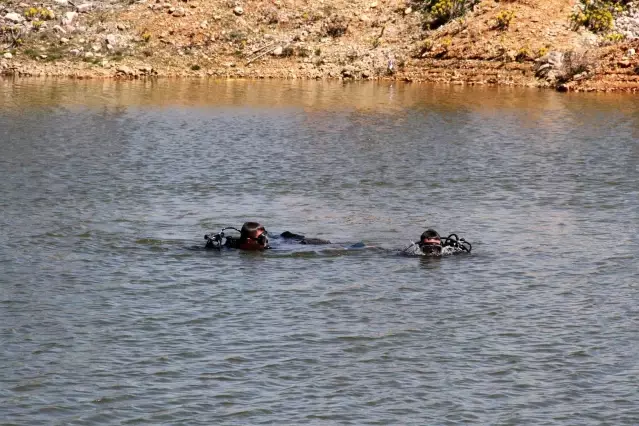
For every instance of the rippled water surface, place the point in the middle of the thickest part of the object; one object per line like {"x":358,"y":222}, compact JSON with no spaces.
{"x":108,"y":315}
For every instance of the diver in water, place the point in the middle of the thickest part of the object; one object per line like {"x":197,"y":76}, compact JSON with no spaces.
{"x":431,"y":244}
{"x":253,"y":236}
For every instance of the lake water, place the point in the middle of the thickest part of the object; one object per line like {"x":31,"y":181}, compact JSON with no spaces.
{"x":108,"y":315}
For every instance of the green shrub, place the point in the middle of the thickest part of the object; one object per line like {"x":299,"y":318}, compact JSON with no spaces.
{"x":12,"y":35}
{"x":598,"y":15}
{"x":614,"y":37}
{"x":523,"y":55}
{"x":576,"y":63}
{"x":336,"y":27}
{"x":39,"y":13}
{"x":503,"y":19}
{"x":288,"y":51}
{"x":439,"y":12}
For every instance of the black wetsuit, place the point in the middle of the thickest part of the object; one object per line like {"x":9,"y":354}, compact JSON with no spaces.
{"x":302,"y":239}
{"x":236,"y":242}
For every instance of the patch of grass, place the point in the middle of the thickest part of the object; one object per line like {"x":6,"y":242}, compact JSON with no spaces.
{"x":99,"y":17}
{"x":54,"y":53}
{"x":236,"y":36}
{"x":31,"y":53}
{"x":94,"y":61}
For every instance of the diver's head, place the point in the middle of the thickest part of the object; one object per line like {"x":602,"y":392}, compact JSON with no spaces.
{"x":430,"y":242}
{"x":253,"y":236}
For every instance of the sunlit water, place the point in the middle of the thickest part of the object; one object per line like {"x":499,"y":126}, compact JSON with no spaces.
{"x":109,"y":316}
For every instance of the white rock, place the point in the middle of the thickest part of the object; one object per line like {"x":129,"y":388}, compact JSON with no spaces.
{"x":238,"y":10}
{"x":64,"y":40}
{"x":179,"y":12}
{"x":408,"y":11}
{"x":13,"y":17}
{"x":74,"y":52}
{"x":69,"y":17}
{"x":88,"y":55}
{"x":7,"y":55}
{"x":121,"y":27}
{"x":96,"y":48}
{"x":373,"y":5}
{"x":61,"y":2}
{"x":111,"y":39}
{"x":631,"y":52}
{"x":85,"y":7}
{"x":204,"y":24}
{"x":278,"y":51}
{"x":124,"y":70}
{"x":59,"y":29}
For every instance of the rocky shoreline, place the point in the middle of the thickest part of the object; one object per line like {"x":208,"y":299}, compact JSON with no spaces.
{"x":274,"y":40}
